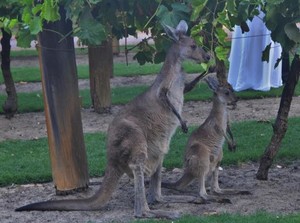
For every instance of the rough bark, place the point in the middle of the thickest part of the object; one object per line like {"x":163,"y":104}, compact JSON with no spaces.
{"x":281,"y":122}
{"x":115,"y":46}
{"x":221,"y":72}
{"x":62,"y":106}
{"x":101,"y":69}
{"x":10,"y":106}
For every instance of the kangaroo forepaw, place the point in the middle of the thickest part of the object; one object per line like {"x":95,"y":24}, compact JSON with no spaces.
{"x":184,"y":127}
{"x":232,"y":147}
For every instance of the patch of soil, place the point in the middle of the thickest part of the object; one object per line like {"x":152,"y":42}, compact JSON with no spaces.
{"x":33,"y":125}
{"x":279,"y":195}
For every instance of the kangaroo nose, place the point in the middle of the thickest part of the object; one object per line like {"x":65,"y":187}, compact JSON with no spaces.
{"x":207,"y":57}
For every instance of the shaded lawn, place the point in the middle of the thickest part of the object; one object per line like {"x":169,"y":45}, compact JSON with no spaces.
{"x":32,"y":74}
{"x":27,"y":161}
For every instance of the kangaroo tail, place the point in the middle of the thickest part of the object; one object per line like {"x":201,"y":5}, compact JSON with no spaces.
{"x":180,"y":184}
{"x":97,"y":201}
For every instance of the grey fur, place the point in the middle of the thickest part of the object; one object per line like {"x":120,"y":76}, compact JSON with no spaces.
{"x":204,"y":151}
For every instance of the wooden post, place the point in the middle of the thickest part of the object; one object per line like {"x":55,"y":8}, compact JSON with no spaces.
{"x":62,"y":106}
{"x":101,"y":70}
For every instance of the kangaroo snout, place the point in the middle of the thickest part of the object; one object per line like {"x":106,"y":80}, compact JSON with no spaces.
{"x":207,"y":57}
{"x":203,"y":57}
{"x":190,"y":50}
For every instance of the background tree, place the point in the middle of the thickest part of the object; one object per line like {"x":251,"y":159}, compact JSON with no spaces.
{"x":8,"y":11}
{"x":282,"y":18}
{"x":101,"y":70}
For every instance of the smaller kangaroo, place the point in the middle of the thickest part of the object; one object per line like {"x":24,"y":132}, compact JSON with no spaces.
{"x":204,"y":152}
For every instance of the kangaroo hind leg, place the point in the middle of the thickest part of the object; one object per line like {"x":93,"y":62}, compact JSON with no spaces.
{"x":215,"y":188}
{"x":141,"y":208}
{"x":155,"y":196}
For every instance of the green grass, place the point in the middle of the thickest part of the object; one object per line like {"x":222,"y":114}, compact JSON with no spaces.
{"x":252,"y":138}
{"x":33,"y":102}
{"x":78,"y":51}
{"x":27,"y":161}
{"x":32,"y":74}
{"x":23,"y":53}
{"x":261,"y":217}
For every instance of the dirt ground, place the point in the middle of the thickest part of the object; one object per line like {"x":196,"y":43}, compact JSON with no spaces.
{"x":279,"y":195}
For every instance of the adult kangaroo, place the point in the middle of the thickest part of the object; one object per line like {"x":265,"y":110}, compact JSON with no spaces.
{"x":138,"y":138}
{"x":203,"y":153}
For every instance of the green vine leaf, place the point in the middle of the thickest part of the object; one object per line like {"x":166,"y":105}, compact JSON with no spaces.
{"x":172,"y":17}
{"x":90,"y":31}
{"x":222,"y":53}
{"x":198,"y":6}
{"x":145,"y":53}
{"x":35,"y":25}
{"x":49,"y":11}
{"x":231,"y":7}
{"x":293,"y":32}
{"x":12,"y":24}
{"x":266,"y":53}
{"x":24,"y":38}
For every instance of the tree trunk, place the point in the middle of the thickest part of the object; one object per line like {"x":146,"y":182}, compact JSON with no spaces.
{"x":281,"y":123}
{"x":10,"y":106}
{"x":115,"y":46}
{"x":62,"y":106}
{"x":221,"y":72}
{"x":101,"y":69}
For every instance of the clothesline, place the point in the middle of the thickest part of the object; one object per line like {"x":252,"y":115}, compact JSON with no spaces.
{"x":252,"y":36}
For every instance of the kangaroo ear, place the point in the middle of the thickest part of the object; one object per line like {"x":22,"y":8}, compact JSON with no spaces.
{"x":171,"y":32}
{"x":212,"y":82}
{"x":174,"y":34}
{"x":182,"y":27}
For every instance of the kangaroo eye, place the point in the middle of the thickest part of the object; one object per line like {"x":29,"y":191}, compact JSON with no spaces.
{"x":193,"y":47}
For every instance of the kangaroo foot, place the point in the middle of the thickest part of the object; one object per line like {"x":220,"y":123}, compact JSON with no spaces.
{"x":207,"y":200}
{"x":178,"y":199}
{"x":223,"y":200}
{"x":171,"y":199}
{"x":244,"y":192}
{"x":231,"y":192}
{"x":160,"y":214}
{"x":200,"y":200}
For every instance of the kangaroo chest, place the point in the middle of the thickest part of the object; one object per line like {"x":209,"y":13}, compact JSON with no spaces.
{"x":175,"y":93}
